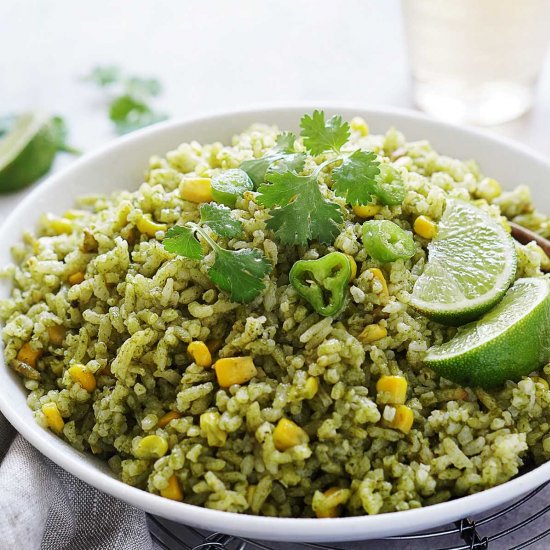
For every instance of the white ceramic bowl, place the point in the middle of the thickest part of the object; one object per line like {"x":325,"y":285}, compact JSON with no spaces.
{"x":120,"y":165}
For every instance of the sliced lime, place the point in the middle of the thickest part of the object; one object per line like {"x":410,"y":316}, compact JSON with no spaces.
{"x":27,"y":150}
{"x":508,"y":342}
{"x":471,"y":263}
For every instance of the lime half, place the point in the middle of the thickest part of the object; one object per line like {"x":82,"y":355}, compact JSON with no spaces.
{"x":471,"y":263}
{"x":508,"y":342}
{"x":27,"y":150}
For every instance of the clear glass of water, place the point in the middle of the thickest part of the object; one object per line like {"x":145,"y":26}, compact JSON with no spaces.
{"x":476,"y":61}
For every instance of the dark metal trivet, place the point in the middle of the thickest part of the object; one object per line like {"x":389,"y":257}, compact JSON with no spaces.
{"x":463,"y":535}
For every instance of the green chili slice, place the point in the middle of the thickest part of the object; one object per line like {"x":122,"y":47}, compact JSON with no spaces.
{"x":229,"y":185}
{"x":391,"y":189}
{"x":323,"y":282}
{"x":386,"y":242}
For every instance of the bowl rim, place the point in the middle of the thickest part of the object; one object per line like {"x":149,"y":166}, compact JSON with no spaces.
{"x":260,"y":527}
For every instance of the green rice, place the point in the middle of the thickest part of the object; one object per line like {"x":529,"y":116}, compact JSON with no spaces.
{"x":130,"y":320}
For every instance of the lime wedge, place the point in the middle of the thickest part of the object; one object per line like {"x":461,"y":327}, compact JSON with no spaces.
{"x":27,"y":150}
{"x":471,"y":263}
{"x":508,"y":342}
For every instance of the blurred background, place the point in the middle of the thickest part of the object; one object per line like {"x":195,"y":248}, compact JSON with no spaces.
{"x":211,"y":55}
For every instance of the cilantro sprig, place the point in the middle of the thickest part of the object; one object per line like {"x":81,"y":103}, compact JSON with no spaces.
{"x":240,"y":273}
{"x":300,"y":213}
{"x":129,"y":106}
{"x":303,"y":213}
{"x":282,"y":156}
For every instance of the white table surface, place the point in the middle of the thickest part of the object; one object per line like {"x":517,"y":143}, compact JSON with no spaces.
{"x":211,"y":55}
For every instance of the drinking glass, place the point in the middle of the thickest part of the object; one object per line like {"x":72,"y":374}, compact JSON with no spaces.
{"x":476,"y":61}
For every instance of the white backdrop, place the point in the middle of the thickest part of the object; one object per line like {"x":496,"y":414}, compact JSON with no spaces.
{"x":213,"y":54}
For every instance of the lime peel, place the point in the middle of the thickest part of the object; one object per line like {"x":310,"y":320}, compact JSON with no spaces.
{"x":508,"y":342}
{"x":28,"y":149}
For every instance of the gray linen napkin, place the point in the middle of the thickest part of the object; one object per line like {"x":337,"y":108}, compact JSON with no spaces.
{"x":42,"y":507}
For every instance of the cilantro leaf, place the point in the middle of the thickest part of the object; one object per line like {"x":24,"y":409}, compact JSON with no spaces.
{"x":361,"y":176}
{"x":240,"y":273}
{"x":124,"y":106}
{"x":219,"y":219}
{"x":129,"y":113}
{"x":256,"y":168}
{"x":181,"y":240}
{"x":355,"y":179}
{"x":320,"y":135}
{"x":135,"y":122}
{"x":104,"y":76}
{"x":60,"y":132}
{"x":129,"y":107}
{"x":284,"y":188}
{"x":282,"y":153}
{"x":237,"y":272}
{"x":138,"y":86}
{"x":284,"y":142}
{"x":293,"y":162}
{"x":303,"y":213}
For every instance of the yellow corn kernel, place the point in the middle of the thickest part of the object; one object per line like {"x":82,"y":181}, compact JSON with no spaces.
{"x":61,"y":225}
{"x":234,"y":370}
{"x":366,"y":210}
{"x":403,"y":419}
{"x":425,"y":227}
{"x":288,"y":434}
{"x":353,"y":265}
{"x":311,"y":387}
{"x":200,"y":353}
{"x":84,"y":377}
{"x":327,"y":504}
{"x":379,"y":276}
{"x":165,"y":419}
{"x":147,"y":226}
{"x":358,"y":124}
{"x":539,"y":380}
{"x":173,"y":489}
{"x":76,"y":278}
{"x":209,"y":423}
{"x":75,"y":214}
{"x":56,"y":334}
{"x":372,"y":333}
{"x":27,"y":354}
{"x":392,"y":389}
{"x":150,"y":446}
{"x":489,"y":189}
{"x":196,"y":189}
{"x":53,"y":417}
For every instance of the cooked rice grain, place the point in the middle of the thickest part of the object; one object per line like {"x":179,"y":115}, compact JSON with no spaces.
{"x":130,"y":320}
